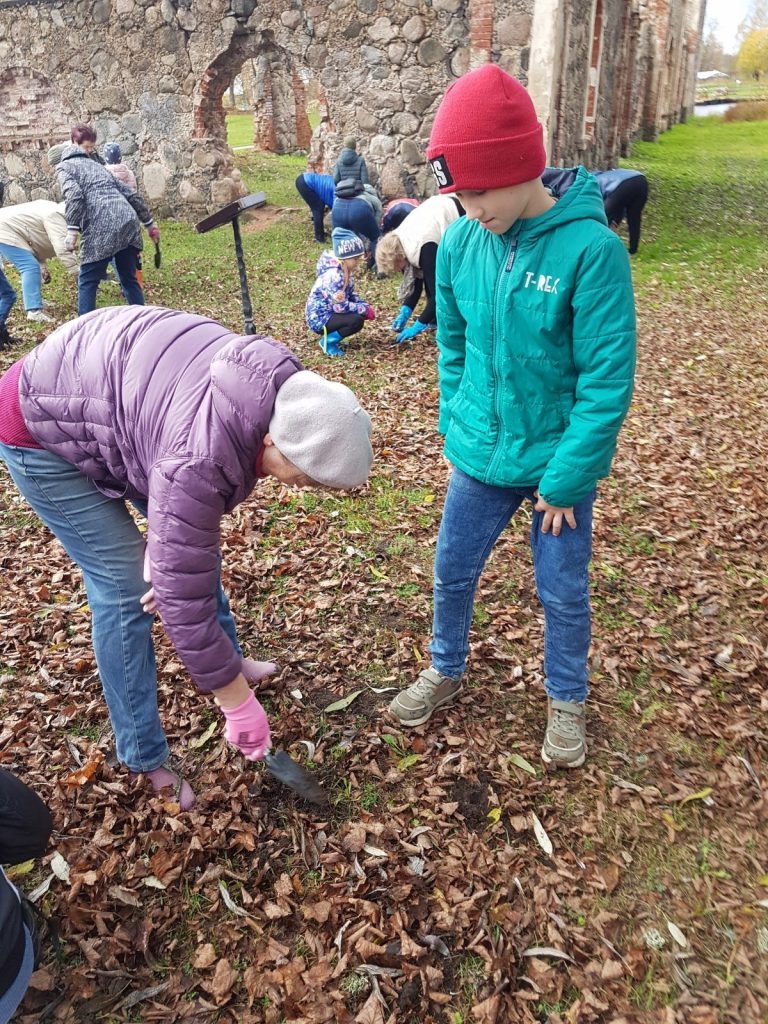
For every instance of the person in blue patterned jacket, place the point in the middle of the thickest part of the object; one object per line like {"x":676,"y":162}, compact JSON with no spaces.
{"x":334,"y":310}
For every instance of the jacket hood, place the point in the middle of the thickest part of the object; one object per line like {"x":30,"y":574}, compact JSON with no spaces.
{"x":583,"y":200}
{"x":71,"y":151}
{"x":348,"y":156}
{"x":326,"y":261}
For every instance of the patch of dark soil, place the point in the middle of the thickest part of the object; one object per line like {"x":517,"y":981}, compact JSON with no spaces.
{"x":472,"y":798}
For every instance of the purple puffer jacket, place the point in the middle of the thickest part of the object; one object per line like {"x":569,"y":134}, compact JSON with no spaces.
{"x":172,"y":408}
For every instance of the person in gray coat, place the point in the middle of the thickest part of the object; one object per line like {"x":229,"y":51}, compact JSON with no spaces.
{"x":107,"y":216}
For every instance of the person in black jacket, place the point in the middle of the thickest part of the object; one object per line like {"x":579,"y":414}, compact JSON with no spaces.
{"x":350,"y":164}
{"x":624,"y":192}
{"x":25,"y":827}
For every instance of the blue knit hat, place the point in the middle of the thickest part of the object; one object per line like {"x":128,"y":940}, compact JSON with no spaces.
{"x":112,"y":153}
{"x":346,"y":244}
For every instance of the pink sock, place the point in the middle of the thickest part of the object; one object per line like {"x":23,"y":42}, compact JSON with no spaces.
{"x":162,"y":778}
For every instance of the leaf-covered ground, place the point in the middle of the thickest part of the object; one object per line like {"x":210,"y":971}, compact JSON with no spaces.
{"x":450,"y":879}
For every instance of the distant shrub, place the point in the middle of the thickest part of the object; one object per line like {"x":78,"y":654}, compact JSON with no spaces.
{"x":757,"y":111}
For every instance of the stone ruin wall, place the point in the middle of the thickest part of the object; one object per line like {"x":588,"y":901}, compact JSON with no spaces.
{"x":151,"y":76}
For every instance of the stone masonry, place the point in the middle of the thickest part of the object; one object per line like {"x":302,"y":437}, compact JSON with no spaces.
{"x":151,"y":76}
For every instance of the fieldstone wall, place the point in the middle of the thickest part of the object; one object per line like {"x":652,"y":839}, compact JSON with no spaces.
{"x":151,"y":76}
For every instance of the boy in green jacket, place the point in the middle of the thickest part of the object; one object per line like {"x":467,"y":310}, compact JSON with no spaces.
{"x":536,"y":361}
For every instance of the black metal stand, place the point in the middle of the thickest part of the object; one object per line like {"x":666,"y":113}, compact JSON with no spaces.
{"x":231,"y":213}
{"x":245,"y":295}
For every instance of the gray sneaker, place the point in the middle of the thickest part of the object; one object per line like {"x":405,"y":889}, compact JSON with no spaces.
{"x":39,"y":316}
{"x":565,"y":741}
{"x":430,"y":692}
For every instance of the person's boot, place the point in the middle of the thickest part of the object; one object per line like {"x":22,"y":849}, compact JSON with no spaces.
{"x":331,"y":343}
{"x":6,"y":340}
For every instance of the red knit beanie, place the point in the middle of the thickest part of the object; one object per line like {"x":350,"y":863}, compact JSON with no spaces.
{"x":486,"y":134}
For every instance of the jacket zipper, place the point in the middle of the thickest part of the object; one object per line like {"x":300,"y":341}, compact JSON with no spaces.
{"x":507,"y":266}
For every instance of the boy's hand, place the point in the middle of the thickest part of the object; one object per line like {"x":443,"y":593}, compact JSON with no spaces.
{"x":554,"y":516}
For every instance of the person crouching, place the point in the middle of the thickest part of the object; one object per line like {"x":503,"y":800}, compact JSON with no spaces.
{"x":334,"y":310}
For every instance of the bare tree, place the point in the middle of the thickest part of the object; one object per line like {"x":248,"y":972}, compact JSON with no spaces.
{"x":755,"y":19}
{"x":712,"y":56}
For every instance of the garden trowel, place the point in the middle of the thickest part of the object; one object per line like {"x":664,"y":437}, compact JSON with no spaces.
{"x":292,"y":775}
{"x":158,"y":255}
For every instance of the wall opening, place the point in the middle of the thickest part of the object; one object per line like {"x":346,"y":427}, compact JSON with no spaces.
{"x":593,"y":73}
{"x":260,"y":80}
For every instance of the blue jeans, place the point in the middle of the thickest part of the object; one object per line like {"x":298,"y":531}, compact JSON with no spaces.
{"x":7,"y":297}
{"x":474,"y":516}
{"x":356,"y":215}
{"x":92,"y":273}
{"x":31,"y":276}
{"x":10,"y":1000}
{"x":101,"y":536}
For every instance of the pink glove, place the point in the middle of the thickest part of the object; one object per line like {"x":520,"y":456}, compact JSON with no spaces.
{"x":248,"y":729}
{"x":370,"y":313}
{"x":154,"y":233}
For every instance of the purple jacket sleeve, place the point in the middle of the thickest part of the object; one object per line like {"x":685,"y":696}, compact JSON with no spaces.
{"x":185,"y":508}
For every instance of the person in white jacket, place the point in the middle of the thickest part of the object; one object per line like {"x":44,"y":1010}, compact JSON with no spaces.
{"x":31,"y":234}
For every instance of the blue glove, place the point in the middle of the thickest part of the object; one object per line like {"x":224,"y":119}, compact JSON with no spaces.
{"x":410,"y":332}
{"x":402,"y":318}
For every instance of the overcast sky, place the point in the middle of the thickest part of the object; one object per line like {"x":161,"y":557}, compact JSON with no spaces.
{"x":728,"y":14}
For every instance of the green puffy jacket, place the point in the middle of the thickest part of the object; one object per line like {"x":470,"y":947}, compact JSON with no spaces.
{"x":536,"y":345}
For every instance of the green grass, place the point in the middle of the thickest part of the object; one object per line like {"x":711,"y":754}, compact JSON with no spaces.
{"x":723,"y":89}
{"x":240,"y":130}
{"x":240,"y":125}
{"x":706,"y":221}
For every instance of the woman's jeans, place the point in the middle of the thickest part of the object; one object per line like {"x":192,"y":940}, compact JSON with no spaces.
{"x":27,"y":265}
{"x":356,"y":215}
{"x":474,"y":516}
{"x":7,"y":297}
{"x":92,"y":273}
{"x":101,"y":536}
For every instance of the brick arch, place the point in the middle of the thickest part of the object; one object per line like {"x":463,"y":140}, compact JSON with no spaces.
{"x":281,"y":124}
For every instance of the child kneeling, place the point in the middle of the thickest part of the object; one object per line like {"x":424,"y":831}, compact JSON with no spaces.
{"x":334,"y":310}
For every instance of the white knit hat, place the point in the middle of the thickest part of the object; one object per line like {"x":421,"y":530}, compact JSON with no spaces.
{"x":320,"y":427}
